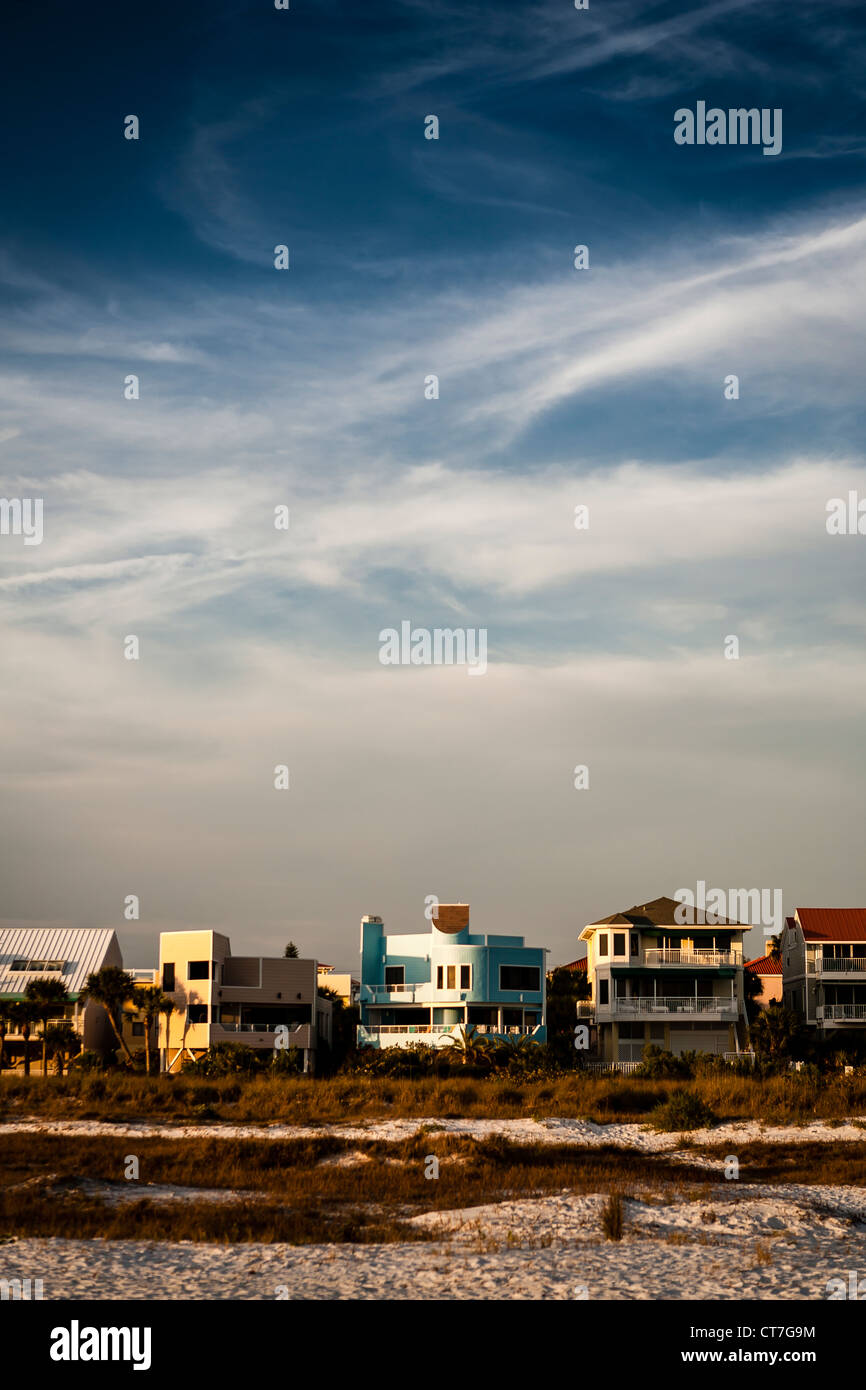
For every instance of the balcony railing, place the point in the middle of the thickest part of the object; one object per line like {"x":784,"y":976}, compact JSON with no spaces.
{"x":842,"y":1012}
{"x":663,"y":955}
{"x":646,"y":1007}
{"x":484,"y":1029}
{"x":836,"y":965}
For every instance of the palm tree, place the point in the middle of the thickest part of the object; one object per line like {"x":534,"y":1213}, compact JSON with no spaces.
{"x":23,"y":1015}
{"x":112,"y":988}
{"x":467,"y":1045}
{"x":50,"y":998}
{"x":167,"y":1008}
{"x":150,"y":1002}
{"x":4,"y":1026}
{"x":63,"y":1042}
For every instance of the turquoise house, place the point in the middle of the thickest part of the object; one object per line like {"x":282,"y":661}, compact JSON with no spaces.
{"x":420,"y":987}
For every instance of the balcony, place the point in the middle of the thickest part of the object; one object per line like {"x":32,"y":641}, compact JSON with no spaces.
{"x":402,"y":1034}
{"x":401,"y":994}
{"x":835,"y":965}
{"x":841,"y":1013}
{"x":658,"y":955}
{"x":708,"y":1006}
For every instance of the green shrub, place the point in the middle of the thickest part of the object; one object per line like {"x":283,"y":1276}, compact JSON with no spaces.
{"x":682,"y":1111}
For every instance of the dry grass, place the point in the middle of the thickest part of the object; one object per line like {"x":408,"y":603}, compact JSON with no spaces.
{"x":790,"y":1098}
{"x":612,"y":1217}
{"x":827,"y":1164}
{"x":304,"y":1200}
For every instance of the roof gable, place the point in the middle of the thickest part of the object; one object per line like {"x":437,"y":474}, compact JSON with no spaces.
{"x":81,"y":949}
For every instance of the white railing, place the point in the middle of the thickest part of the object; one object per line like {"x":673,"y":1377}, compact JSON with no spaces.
{"x":483,"y":1029}
{"x":836,"y":965}
{"x":844,"y":1011}
{"x":256,"y":1027}
{"x":586,"y":1010}
{"x":659,"y":955}
{"x":674,"y":1005}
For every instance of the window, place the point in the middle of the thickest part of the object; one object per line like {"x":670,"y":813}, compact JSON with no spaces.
{"x":138,"y":1030}
{"x":635,"y":946}
{"x":519,"y":977}
{"x":36,"y":966}
{"x":197,"y":1013}
{"x":603,"y":991}
{"x":451,"y":977}
{"x":619,"y":943}
{"x":602,"y":943}
{"x":395,"y":975}
{"x":168,"y":976}
{"x":198,"y":970}
{"x":466,"y":977}
{"x":440,"y":976}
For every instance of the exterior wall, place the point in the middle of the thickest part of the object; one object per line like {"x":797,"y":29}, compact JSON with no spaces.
{"x":247,"y":998}
{"x":416,"y":1008}
{"x":826,"y":994}
{"x":677,"y":987}
{"x":342,"y":984}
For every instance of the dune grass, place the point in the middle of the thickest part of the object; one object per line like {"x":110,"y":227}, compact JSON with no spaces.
{"x":299,"y":1193}
{"x":789,"y":1098}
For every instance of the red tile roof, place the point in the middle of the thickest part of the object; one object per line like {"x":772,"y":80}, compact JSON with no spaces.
{"x":833,"y":923}
{"x":576,"y":964}
{"x":763,"y":965}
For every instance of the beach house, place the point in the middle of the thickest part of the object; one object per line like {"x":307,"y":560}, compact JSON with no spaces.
{"x":65,"y":954}
{"x":661,"y":975}
{"x":824,"y":967}
{"x":265,"y":1002}
{"x":420,"y":987}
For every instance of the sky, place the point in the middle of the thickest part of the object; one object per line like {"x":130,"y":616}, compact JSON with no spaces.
{"x":602,"y":387}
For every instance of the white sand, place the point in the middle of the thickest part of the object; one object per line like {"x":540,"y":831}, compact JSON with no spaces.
{"x":550,"y":1248}
{"x":549,"y":1131}
{"x":742,"y":1241}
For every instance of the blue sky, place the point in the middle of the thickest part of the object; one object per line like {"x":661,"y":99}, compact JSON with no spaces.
{"x":305,"y":387}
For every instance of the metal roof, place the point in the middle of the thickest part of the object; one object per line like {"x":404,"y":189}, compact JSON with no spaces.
{"x":82,"y":950}
{"x":832,"y":923}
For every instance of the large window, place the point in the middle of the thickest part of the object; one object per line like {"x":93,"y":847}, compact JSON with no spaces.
{"x":466,"y":977}
{"x":395,"y":975}
{"x":519,"y":977}
{"x":619,"y":943}
{"x":602,"y":943}
{"x":198,"y":970}
{"x":197,"y":1013}
{"x":36,"y":966}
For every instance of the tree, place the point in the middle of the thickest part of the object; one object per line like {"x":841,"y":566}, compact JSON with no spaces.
{"x":468,"y":1046}
{"x":167,"y":1008}
{"x":775,"y":951}
{"x":4,"y":1027}
{"x":753,"y":988}
{"x":23,"y":1015}
{"x":776,"y":1032}
{"x":150,"y":1002}
{"x":291,"y":951}
{"x":565,"y":990}
{"x":63,"y":1043}
{"x":112,"y":988}
{"x":50,"y":997}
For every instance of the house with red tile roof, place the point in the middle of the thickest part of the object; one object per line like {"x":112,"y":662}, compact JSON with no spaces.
{"x":768,"y":969}
{"x":824,"y":967}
